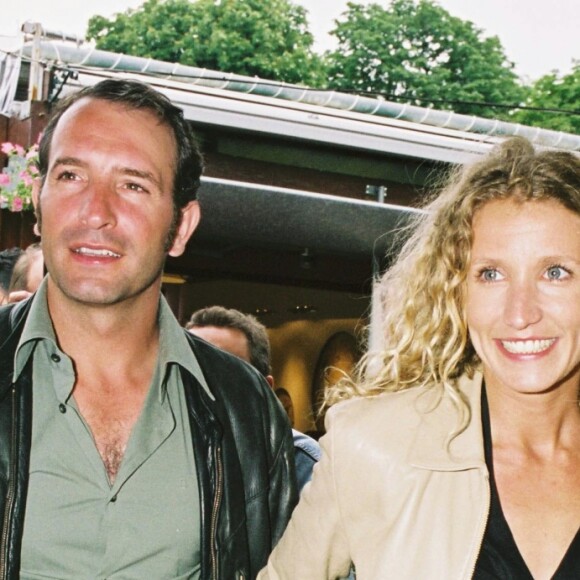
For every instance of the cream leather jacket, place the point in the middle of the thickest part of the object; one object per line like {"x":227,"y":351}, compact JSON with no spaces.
{"x":390,"y":495}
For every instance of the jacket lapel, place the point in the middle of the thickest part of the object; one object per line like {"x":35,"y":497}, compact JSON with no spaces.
{"x":432,"y":447}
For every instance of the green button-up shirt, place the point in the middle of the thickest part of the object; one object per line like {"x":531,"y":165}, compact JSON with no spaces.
{"x":78,"y":525}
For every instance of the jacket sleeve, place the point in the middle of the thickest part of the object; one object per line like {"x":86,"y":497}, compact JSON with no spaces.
{"x":314,"y":545}
{"x":268,"y":470}
{"x":283,"y":494}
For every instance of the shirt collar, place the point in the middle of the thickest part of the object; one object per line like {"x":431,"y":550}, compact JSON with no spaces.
{"x":38,"y":326}
{"x":174,"y":347}
{"x":431,"y":448}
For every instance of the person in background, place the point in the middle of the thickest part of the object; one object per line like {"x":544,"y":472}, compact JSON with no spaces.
{"x":455,"y":454}
{"x":243,"y":335}
{"x":124,"y":454}
{"x":7,"y":260}
{"x":27,"y":274}
{"x":286,"y":400}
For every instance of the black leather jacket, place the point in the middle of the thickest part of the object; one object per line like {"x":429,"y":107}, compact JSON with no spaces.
{"x":243,"y":453}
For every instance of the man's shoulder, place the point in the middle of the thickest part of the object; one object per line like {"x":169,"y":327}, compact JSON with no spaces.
{"x":12,"y":314}
{"x":5,"y":316}
{"x":218,"y":360}
{"x":12,"y":318}
{"x":243,"y":398}
{"x":229,"y":377}
{"x":306,"y":444}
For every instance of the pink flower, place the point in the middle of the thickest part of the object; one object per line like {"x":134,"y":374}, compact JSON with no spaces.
{"x":27,"y":180}
{"x":32,"y":153}
{"x":17,"y":179}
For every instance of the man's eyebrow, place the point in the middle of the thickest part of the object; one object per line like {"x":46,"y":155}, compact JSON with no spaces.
{"x":147,"y":175}
{"x":67,"y":161}
{"x":130,"y":171}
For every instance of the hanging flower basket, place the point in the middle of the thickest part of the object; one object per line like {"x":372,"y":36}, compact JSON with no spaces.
{"x":17,"y":177}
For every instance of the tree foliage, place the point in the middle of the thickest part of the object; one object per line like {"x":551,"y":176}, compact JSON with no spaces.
{"x":265,"y":38}
{"x":557,"y":92}
{"x":416,"y":51}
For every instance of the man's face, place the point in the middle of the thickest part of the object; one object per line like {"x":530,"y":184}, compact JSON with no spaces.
{"x":231,"y":340}
{"x":107,"y":203}
{"x":288,"y":406}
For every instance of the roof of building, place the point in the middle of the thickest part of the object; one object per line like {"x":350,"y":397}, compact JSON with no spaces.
{"x":251,"y":104}
{"x":269,"y":107}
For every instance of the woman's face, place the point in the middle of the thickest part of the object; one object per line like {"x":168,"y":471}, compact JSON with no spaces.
{"x":523,"y":296}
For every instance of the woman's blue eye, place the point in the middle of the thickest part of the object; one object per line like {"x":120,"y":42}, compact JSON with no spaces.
{"x":489,"y":275}
{"x":556,"y":273}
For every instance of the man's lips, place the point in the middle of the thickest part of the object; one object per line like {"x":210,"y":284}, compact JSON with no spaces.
{"x":527,"y":347}
{"x":96,"y":252}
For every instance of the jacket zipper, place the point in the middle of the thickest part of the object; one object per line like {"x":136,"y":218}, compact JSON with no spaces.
{"x":214,"y":514}
{"x":9,"y":493}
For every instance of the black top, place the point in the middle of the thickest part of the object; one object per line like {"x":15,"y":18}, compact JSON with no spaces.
{"x":499,"y":558}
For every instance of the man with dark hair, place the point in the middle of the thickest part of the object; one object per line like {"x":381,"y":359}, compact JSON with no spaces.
{"x":126,"y":446}
{"x":243,"y":335}
{"x":255,"y":348}
{"x":187,"y":160}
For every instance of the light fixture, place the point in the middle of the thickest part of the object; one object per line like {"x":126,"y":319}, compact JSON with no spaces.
{"x":303,"y":309}
{"x":173,"y":279}
{"x":379,"y":192}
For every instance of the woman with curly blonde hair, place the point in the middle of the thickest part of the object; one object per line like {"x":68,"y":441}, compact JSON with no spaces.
{"x":455,"y":453}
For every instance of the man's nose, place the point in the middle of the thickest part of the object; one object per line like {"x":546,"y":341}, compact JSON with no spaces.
{"x":98,"y":205}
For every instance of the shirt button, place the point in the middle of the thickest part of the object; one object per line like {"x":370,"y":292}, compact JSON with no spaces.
{"x":62,"y":408}
{"x":55,"y":357}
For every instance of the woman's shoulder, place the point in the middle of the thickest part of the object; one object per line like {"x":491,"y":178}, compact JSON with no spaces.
{"x":389,"y":402}
{"x":391,"y":416}
{"x":407,"y":404}
{"x":391,"y":423}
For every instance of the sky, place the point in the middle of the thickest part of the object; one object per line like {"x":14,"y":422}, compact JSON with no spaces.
{"x":538,"y":35}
